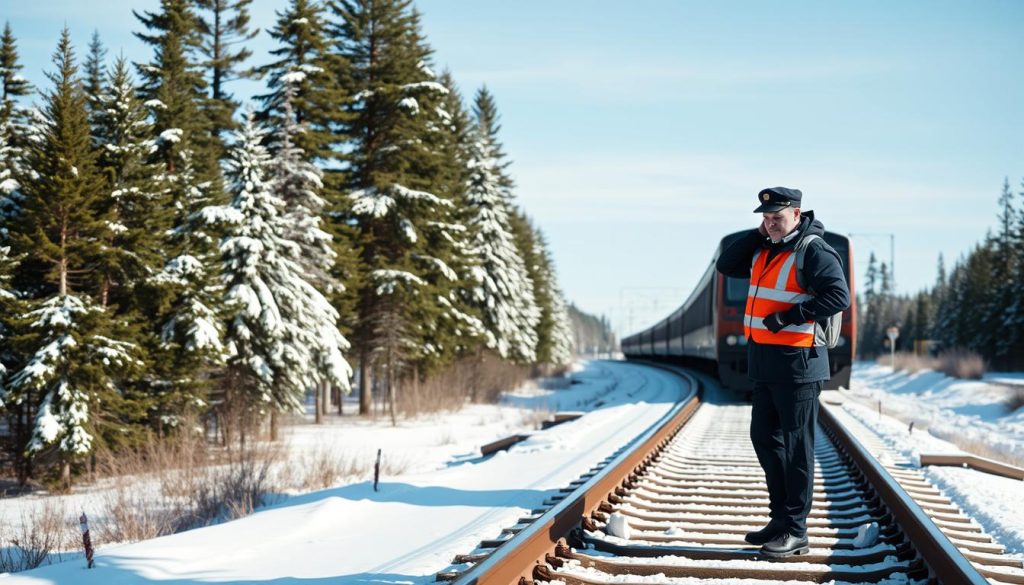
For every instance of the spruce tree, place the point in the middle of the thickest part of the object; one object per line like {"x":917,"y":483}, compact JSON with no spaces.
{"x":95,"y":75}
{"x":12,"y":127}
{"x":306,"y":95}
{"x":283,"y":331}
{"x":76,"y":362}
{"x":395,"y":179}
{"x":175,"y":91}
{"x":186,"y":295}
{"x":224,"y":31}
{"x":505,"y":291}
{"x":12,"y":84}
{"x":306,"y":67}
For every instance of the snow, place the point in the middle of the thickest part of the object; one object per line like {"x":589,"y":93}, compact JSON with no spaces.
{"x":451,"y":496}
{"x":962,"y":411}
{"x":947,"y":410}
{"x":618,"y":526}
{"x":410,"y":104}
{"x":293,"y":77}
{"x":170,"y":135}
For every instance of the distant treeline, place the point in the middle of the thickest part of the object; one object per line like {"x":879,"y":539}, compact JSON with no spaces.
{"x":977,"y":306}
{"x":593,"y":335}
{"x":168,"y":254}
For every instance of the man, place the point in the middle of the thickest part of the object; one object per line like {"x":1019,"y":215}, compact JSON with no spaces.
{"x":786,"y":359}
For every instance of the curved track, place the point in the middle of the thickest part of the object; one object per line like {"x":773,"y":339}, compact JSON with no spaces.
{"x":676,"y":508}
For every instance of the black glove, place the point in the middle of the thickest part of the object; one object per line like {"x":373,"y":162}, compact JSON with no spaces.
{"x":774,"y":322}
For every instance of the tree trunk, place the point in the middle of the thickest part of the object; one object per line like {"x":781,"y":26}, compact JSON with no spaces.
{"x":274,"y":427}
{"x":325,"y":396}
{"x":391,"y":387}
{"x":364,"y":387}
{"x":318,"y":417}
{"x":65,"y":475}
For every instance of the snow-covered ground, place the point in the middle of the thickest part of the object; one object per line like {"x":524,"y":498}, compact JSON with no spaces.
{"x":444,"y":502}
{"x":971,"y":413}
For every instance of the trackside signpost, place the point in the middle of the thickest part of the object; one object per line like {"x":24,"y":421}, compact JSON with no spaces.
{"x":893,"y":333}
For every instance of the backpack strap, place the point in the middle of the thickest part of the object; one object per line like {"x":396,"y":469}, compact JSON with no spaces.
{"x":801,"y":251}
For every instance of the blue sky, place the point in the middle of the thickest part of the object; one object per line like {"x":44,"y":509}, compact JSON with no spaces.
{"x":641,"y":132}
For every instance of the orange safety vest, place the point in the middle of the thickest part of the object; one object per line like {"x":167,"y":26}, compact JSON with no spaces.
{"x":774,"y":288}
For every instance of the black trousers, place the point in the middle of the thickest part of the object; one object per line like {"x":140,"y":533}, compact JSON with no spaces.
{"x":782,"y":431}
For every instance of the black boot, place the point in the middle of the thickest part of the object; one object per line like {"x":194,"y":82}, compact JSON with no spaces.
{"x":767,"y":533}
{"x":785,"y":545}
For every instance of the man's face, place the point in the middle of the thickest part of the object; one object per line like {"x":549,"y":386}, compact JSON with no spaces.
{"x":780,"y":223}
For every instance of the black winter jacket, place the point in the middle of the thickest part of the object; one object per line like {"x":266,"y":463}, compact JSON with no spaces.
{"x":823,"y":273}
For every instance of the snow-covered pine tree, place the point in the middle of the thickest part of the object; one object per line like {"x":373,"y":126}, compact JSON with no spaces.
{"x":283,"y":332}
{"x":306,"y":67}
{"x":13,"y":133}
{"x":505,"y":292}
{"x":305,"y":93}
{"x":137,"y":205}
{"x":224,"y":31}
{"x":71,"y":380}
{"x":307,"y":79}
{"x":298,"y":182}
{"x":175,"y":91}
{"x":554,"y":331}
{"x":187,"y":293}
{"x":393,"y":178}
{"x":460,"y":330}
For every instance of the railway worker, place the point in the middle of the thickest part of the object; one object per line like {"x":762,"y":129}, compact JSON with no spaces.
{"x":784,"y":362}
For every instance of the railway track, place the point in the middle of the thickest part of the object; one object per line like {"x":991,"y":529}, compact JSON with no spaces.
{"x":675,"y":506}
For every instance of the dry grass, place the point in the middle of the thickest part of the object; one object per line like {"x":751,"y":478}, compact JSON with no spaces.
{"x":958,"y":363}
{"x":44,"y":533}
{"x":962,"y":363}
{"x":178,"y":484}
{"x":472,"y":379}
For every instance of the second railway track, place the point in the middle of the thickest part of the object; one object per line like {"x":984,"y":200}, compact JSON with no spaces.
{"x":691,"y":491}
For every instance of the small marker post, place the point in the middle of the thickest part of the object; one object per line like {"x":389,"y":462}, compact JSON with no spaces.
{"x":376,"y":471}
{"x":86,"y":539}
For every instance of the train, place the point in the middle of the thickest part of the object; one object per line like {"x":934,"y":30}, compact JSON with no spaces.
{"x":706,"y":331}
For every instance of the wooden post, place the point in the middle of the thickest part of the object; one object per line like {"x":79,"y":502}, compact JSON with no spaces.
{"x":376,"y":471}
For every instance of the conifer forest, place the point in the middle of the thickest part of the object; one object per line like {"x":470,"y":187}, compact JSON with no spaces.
{"x":975,"y":306}
{"x":173,"y":258}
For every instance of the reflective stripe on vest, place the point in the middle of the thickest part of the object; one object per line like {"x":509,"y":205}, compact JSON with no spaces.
{"x":774,"y":288}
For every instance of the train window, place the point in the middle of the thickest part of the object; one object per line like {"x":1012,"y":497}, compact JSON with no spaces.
{"x":736,"y":289}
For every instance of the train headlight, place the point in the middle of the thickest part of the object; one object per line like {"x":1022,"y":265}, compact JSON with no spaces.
{"x":841,"y":342}
{"x":743,"y":340}
{"x":730,"y":340}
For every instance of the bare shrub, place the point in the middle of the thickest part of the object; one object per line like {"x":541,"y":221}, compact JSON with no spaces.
{"x":909,"y":362}
{"x":1016,"y":399}
{"x":43,"y":533}
{"x":130,"y":515}
{"x":962,"y":363}
{"x":475,"y":379}
{"x":180,"y":483}
{"x":957,"y":363}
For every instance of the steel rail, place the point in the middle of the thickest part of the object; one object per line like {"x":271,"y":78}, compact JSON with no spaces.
{"x":517,"y":557}
{"x":942,"y":557}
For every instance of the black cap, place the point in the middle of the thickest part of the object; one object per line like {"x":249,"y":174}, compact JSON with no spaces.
{"x":777,"y":199}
